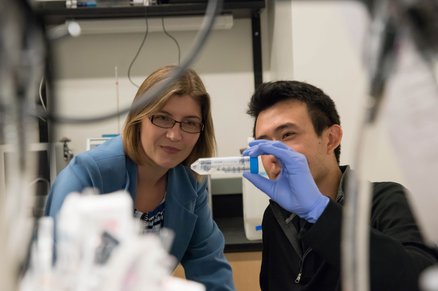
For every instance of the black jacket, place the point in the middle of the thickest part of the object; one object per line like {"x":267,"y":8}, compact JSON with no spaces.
{"x":301,"y":256}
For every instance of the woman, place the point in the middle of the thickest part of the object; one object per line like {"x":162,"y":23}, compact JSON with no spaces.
{"x":151,"y":161}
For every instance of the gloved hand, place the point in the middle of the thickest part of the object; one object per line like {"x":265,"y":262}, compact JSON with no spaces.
{"x":294,"y":189}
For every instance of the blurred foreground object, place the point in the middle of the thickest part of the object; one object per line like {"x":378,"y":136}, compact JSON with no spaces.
{"x":402,"y":59}
{"x":429,"y":279}
{"x":411,"y":115}
{"x":99,"y":247}
{"x":22,"y":63}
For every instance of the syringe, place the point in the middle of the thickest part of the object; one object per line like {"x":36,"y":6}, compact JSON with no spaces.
{"x":225,"y":165}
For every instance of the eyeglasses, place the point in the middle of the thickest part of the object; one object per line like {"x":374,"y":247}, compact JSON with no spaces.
{"x":189,"y":126}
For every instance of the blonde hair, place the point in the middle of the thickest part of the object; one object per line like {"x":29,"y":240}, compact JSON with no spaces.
{"x":188,"y":84}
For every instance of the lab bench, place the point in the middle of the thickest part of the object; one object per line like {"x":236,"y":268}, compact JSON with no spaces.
{"x":228,"y":213}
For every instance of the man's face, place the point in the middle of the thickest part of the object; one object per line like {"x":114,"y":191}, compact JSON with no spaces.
{"x":289,"y":122}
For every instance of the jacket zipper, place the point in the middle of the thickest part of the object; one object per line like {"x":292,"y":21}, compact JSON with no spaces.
{"x":300,"y":272}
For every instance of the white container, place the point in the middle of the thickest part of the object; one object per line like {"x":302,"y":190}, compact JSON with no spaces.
{"x":254,"y":205}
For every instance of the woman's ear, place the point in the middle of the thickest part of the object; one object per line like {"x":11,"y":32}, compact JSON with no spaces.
{"x":334,"y":134}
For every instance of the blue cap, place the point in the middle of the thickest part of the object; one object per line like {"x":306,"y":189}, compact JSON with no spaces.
{"x":254,"y":165}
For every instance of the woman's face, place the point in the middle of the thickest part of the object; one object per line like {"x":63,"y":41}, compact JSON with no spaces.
{"x":168,"y":147}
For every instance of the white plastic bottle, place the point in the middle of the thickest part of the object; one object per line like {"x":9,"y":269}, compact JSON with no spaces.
{"x":254,"y":205}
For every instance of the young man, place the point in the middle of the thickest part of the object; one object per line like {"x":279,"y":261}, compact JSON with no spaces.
{"x":298,"y":132}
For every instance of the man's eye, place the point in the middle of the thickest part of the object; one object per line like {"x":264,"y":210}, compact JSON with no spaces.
{"x":287,"y":135}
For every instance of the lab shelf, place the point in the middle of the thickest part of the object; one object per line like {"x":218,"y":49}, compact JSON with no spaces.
{"x":228,"y":214}
{"x":55,"y":12}
{"x":234,"y":233}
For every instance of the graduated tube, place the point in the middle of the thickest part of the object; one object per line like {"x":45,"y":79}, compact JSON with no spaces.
{"x":225,"y":165}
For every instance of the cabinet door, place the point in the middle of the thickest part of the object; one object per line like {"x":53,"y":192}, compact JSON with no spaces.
{"x":246,"y":269}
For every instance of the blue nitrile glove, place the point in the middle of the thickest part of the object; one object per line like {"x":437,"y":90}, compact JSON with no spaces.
{"x":294,"y":189}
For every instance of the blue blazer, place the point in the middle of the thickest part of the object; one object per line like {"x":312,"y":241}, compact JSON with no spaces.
{"x":198,"y":244}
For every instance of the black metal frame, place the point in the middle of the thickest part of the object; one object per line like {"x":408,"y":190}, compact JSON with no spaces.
{"x":55,"y":12}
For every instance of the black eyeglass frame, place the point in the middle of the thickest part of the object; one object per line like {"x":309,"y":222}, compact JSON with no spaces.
{"x":181,"y":123}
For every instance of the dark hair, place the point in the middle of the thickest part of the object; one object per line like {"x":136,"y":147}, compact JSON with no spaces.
{"x":321,"y":108}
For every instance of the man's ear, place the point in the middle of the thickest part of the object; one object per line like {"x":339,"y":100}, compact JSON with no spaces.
{"x":334,"y":134}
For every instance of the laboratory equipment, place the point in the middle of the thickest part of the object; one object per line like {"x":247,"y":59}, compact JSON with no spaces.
{"x":99,"y":247}
{"x":67,"y":153}
{"x":225,"y":165}
{"x":93,"y":142}
{"x":254,"y":204}
{"x":22,"y":57}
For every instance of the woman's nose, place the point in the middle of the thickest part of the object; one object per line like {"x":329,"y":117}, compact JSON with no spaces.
{"x":174,"y":133}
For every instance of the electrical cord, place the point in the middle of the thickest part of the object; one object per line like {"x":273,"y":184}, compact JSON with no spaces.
{"x":173,"y":38}
{"x":138,"y":51}
{"x":41,"y":180}
{"x":421,"y":18}
{"x":355,"y":224}
{"x":213,"y":8}
{"x":356,"y":213}
{"x":355,"y":251}
{"x":40,"y":95}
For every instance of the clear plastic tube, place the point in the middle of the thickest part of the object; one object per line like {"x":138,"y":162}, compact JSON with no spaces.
{"x":225,"y":165}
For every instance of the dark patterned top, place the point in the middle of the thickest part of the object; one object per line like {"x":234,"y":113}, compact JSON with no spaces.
{"x":153,"y":220}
